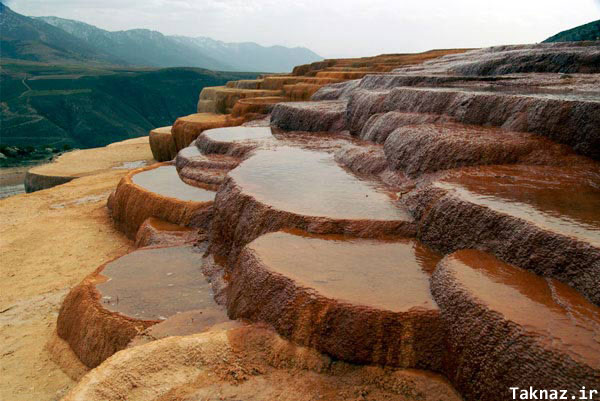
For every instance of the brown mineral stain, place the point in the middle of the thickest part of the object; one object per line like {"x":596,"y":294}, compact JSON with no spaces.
{"x":312,"y":184}
{"x":391,"y":275}
{"x":161,"y":225}
{"x":560,"y":199}
{"x":556,"y":313}
{"x":164,"y":181}
{"x":156,"y":283}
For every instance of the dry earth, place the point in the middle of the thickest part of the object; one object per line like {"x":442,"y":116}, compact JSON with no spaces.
{"x":49,"y":241}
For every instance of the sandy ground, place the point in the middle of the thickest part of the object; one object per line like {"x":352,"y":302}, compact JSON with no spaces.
{"x":49,"y":241}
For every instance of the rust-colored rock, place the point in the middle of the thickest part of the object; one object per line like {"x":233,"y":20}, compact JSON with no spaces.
{"x":248,"y":363}
{"x":245,"y":84}
{"x":253,"y":107}
{"x":511,"y":328}
{"x":427,"y":148}
{"x":235,"y":141}
{"x":120,"y":299}
{"x":568,"y":57}
{"x":157,"y":232}
{"x":191,"y":157}
{"x":564,"y":118}
{"x":278,"y":82}
{"x":203,"y":178}
{"x":186,"y":129}
{"x":361,"y":301}
{"x":221,"y":99}
{"x":379,"y":126}
{"x":295,"y":188}
{"x":301,"y":92}
{"x":362,"y":160}
{"x":157,"y":191}
{"x":162,"y":144}
{"x":344,"y":74}
{"x":203,"y":170}
{"x":310,"y":116}
{"x":542,"y":218}
{"x":340,"y":91}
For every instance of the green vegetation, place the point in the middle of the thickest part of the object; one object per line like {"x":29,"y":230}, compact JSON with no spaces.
{"x":51,"y":106}
{"x":66,"y":84}
{"x":589,"y":31}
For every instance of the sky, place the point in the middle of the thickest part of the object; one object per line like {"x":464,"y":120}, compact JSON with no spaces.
{"x":334,"y":28}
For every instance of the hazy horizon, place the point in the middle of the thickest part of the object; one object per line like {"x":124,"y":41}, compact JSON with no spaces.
{"x":335,"y":28}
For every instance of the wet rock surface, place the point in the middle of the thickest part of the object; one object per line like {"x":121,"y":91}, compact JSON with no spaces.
{"x":541,"y":218}
{"x":186,"y":129}
{"x":427,"y":148}
{"x":157,"y":232}
{"x":511,"y":328}
{"x":362,"y":301}
{"x":120,"y":299}
{"x":191,"y":157}
{"x":296,"y":188}
{"x":571,"y":120}
{"x":235,"y":141}
{"x":310,"y":116}
{"x":157,"y":191}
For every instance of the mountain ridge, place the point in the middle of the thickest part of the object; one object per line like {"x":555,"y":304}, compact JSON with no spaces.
{"x":65,"y":41}
{"x":152,"y":48}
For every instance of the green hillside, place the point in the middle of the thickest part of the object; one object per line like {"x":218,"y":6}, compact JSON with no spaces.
{"x":589,"y":31}
{"x":77,"y":106}
{"x":30,"y":39}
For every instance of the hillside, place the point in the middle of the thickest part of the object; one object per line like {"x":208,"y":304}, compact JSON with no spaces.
{"x":590,"y":31}
{"x":151,"y":48}
{"x":138,"y":46}
{"x":26,"y":38}
{"x":78,"y":106}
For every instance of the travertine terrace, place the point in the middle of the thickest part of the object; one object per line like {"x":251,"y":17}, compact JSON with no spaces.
{"x":417,"y":227}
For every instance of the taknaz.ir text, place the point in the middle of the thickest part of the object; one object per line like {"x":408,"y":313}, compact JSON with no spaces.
{"x":531,"y":393}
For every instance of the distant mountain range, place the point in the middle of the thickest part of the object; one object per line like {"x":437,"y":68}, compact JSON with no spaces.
{"x":589,"y":31}
{"x":59,"y":40}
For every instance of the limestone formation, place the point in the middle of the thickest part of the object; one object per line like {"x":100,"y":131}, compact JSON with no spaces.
{"x":301,"y":91}
{"x":362,"y":301}
{"x":256,"y":107}
{"x":236,"y":141}
{"x":427,"y":148}
{"x":541,"y":218}
{"x":110,"y":307}
{"x":251,"y":364}
{"x":157,"y":232}
{"x":511,"y":328}
{"x":67,"y":167}
{"x":309,"y":116}
{"x":322,"y":219}
{"x":191,"y":157}
{"x":162,"y":144}
{"x":276,"y":189}
{"x":156,"y":191}
{"x":186,"y":129}
{"x":221,"y":99}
